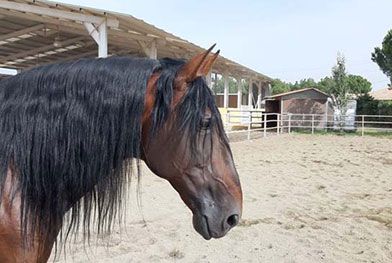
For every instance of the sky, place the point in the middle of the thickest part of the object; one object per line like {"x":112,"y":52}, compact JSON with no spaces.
{"x":290,"y":40}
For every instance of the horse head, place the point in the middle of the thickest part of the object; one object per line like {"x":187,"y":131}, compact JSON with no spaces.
{"x":189,"y":148}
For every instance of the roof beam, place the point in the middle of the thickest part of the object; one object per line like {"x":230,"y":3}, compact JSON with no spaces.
{"x":149,"y":49}
{"x":92,"y":31}
{"x":37,"y":50}
{"x":73,"y":57}
{"x":51,"y":12}
{"x":22,"y":32}
{"x":76,"y":28}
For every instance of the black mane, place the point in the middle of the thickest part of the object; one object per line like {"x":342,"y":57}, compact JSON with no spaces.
{"x":73,"y":130}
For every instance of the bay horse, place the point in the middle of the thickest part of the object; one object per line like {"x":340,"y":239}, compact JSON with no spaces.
{"x":72,"y":134}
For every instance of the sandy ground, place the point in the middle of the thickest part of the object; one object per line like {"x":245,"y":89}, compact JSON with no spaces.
{"x":306,"y":199}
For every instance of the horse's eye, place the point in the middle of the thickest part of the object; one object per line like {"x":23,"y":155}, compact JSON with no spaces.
{"x":205,"y":124}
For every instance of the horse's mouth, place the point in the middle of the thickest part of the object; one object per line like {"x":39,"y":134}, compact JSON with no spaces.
{"x":200,"y":223}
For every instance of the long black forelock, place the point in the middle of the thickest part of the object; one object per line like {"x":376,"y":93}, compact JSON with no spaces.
{"x":71,"y":132}
{"x":191,"y":110}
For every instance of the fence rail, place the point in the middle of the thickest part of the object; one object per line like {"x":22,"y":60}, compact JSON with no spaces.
{"x":252,"y":121}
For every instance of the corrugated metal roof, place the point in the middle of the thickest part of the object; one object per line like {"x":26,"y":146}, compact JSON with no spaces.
{"x":27,"y":38}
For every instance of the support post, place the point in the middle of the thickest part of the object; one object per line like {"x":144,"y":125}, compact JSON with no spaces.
{"x":268,"y":91}
{"x":103,"y":40}
{"x":277,"y":123}
{"x":259,"y":96}
{"x":226,"y":90}
{"x":265,"y":125}
{"x":100,"y":36}
{"x":250,"y":95}
{"x":289,"y":123}
{"x":239,"y":93}
{"x":363,"y":125}
{"x":153,"y":50}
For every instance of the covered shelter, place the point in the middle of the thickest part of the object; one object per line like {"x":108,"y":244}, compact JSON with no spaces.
{"x":302,"y":104}
{"x":36,"y":32}
{"x":303,"y":101}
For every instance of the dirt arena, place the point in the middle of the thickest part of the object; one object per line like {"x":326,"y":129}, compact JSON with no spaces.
{"x":306,"y":199}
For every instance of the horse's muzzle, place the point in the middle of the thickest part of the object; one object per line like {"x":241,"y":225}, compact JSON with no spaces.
{"x":210,"y":227}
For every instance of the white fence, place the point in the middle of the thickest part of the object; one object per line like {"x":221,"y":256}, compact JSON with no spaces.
{"x":264,"y":124}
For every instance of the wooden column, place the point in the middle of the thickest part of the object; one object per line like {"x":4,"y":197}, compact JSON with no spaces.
{"x":153,"y":51}
{"x":239,"y":93}
{"x":100,"y":36}
{"x":226,"y":90}
{"x":250,"y":94}
{"x":259,"y":95}
{"x":268,"y":91}
{"x":103,"y":40}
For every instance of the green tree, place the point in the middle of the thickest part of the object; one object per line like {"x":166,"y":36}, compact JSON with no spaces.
{"x":385,"y":108}
{"x":367,"y":105}
{"x":326,"y":84}
{"x":383,"y":56}
{"x":279,"y":86}
{"x":245,"y":87}
{"x":219,"y":85}
{"x":340,"y":90}
{"x":304,"y":83}
{"x":358,"y":85}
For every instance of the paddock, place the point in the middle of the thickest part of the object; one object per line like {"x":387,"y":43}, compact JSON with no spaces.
{"x":307,"y":198}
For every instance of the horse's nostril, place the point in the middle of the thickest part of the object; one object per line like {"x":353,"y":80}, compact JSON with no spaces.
{"x":233,"y":220}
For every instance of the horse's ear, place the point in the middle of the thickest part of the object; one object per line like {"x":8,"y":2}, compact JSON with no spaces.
{"x":197,"y":66}
{"x":207,"y":66}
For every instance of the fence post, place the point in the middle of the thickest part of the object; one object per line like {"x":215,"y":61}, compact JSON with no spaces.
{"x":277,"y":123}
{"x":249,"y":125}
{"x":265,"y":125}
{"x":281,"y":124}
{"x":289,"y":123}
{"x":312,"y":123}
{"x":363,"y":125}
